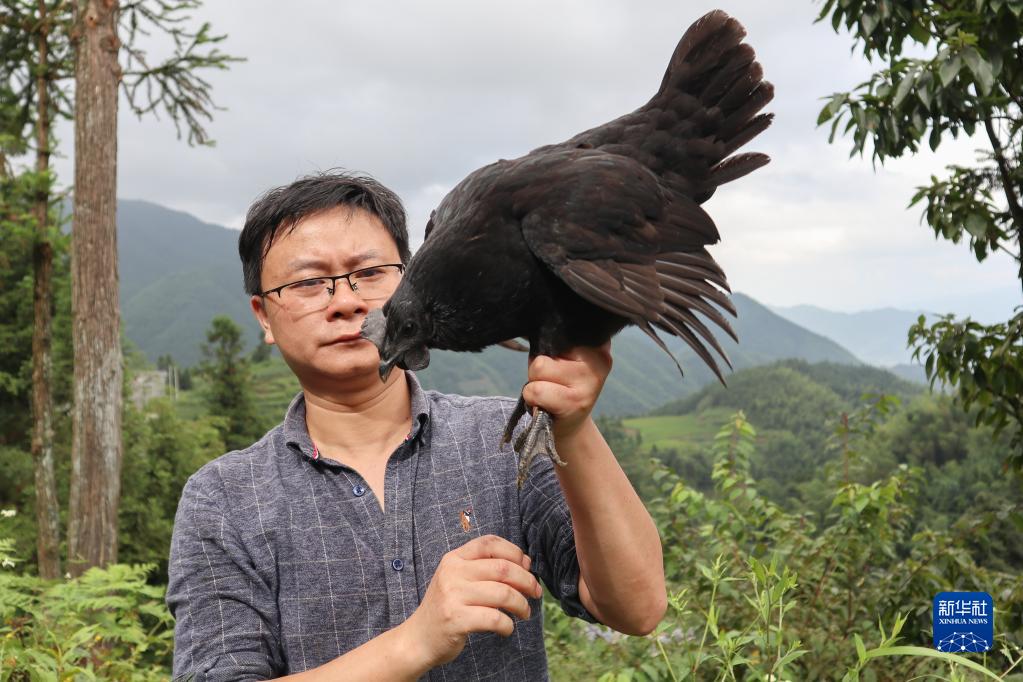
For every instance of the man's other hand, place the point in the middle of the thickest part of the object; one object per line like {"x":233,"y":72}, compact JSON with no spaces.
{"x":476,"y":588}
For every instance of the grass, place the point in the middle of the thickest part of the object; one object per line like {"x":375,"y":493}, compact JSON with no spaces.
{"x":679,"y":432}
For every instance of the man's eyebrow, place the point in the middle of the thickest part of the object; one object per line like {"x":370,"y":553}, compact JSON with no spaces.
{"x":317,"y":264}
{"x":357,"y":258}
{"x":306,"y":264}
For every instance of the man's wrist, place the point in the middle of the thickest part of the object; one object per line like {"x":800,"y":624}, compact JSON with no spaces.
{"x":397,"y":654}
{"x":410,"y":646}
{"x":575,"y":437}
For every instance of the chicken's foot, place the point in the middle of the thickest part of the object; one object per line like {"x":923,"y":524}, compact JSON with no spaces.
{"x":538,"y":437}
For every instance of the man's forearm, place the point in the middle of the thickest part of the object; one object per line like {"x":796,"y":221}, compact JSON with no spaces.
{"x":388,"y":656}
{"x":619,"y":551}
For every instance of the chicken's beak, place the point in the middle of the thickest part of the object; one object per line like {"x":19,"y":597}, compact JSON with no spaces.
{"x":373,"y":329}
{"x":386,"y":366}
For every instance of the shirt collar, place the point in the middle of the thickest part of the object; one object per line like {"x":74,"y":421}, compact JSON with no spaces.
{"x":296,"y":433}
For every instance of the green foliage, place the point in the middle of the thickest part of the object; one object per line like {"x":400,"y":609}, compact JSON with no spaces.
{"x":887,"y":648}
{"x":960,"y":461}
{"x":107,"y":624}
{"x":677,"y":441}
{"x":262,"y":351}
{"x":20,"y":29}
{"x":793,"y":394}
{"x":985,"y":364}
{"x":969,"y":80}
{"x":185,"y":379}
{"x":759,"y":593}
{"x":793,"y":402}
{"x":966,"y":491}
{"x":228,"y":390}
{"x":18,"y":236}
{"x":15,"y":299}
{"x":162,"y":450}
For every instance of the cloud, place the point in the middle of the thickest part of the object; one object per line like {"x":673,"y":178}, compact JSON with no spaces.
{"x":419,"y":94}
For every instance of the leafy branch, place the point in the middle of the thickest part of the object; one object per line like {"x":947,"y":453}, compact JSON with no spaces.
{"x":173,"y":85}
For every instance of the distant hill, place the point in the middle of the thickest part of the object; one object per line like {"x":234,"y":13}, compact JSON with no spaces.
{"x":878,"y":337}
{"x":178,"y":272}
{"x":770,"y":387}
{"x":794,"y":406}
{"x":910,"y":372}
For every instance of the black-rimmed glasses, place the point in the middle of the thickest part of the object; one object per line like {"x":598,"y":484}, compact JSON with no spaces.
{"x":314,"y":293}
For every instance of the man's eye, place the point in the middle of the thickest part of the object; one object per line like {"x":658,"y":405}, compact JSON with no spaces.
{"x":310,"y":284}
{"x":369,"y":273}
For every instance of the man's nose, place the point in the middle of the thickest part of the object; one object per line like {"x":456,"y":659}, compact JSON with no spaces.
{"x":345,"y":301}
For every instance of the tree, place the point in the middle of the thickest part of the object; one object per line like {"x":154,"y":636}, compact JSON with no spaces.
{"x":262,"y":351}
{"x":47,"y":504}
{"x":970,"y":81}
{"x":162,"y":450}
{"x":229,"y":383}
{"x":175,"y":87}
{"x":185,"y":379}
{"x":96,"y":417}
{"x":37,"y":48}
{"x":37,"y":69}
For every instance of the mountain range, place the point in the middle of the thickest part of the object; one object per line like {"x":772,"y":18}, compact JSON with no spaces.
{"x":177,"y":273}
{"x":879,"y":336}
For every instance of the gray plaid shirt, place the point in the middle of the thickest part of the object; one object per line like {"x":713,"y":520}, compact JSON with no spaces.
{"x":282,"y":560}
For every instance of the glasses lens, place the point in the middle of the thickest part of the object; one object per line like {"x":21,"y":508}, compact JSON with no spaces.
{"x":309,"y":294}
{"x":314,"y":294}
{"x":375,"y":282}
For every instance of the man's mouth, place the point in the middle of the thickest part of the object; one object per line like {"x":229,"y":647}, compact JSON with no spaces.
{"x":348,"y":338}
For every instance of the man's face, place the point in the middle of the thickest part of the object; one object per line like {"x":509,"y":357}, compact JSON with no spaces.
{"x":325,"y":344}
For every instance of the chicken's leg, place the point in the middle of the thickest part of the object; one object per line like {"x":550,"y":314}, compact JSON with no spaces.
{"x":538,"y":437}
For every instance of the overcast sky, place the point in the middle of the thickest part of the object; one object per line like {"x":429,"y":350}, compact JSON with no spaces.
{"x":419,"y":94}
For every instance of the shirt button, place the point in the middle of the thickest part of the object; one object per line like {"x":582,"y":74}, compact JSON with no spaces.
{"x":397,"y":564}
{"x":358,"y":490}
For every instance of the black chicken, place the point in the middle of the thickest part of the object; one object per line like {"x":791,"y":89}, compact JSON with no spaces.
{"x":573,"y":241}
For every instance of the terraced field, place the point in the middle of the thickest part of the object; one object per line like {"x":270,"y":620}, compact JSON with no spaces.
{"x":679,"y":432}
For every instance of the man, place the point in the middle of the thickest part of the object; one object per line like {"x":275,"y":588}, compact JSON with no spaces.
{"x":378,"y":532}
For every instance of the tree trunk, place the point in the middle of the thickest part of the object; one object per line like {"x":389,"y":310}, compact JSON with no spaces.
{"x":1011,"y":197}
{"x":96,"y":418}
{"x":47,"y":505}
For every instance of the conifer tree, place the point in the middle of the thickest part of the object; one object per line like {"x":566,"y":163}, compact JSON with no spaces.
{"x":228,"y":393}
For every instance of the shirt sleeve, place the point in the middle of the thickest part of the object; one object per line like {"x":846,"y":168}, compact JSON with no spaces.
{"x":549,"y":536}
{"x":226,"y":618}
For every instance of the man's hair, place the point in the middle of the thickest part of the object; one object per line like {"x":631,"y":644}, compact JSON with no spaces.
{"x":280,"y":210}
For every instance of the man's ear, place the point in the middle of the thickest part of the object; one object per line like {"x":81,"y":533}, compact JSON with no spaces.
{"x":256,"y":303}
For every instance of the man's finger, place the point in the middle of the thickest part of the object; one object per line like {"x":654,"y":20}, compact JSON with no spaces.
{"x":497,"y":596}
{"x":503,"y":571}
{"x":548,"y":395}
{"x":490,"y":547}
{"x":485,"y":619}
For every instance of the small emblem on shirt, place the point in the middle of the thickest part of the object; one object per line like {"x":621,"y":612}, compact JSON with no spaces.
{"x":466,"y":518}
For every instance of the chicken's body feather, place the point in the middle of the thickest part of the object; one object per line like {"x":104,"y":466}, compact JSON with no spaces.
{"x":573,"y":241}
